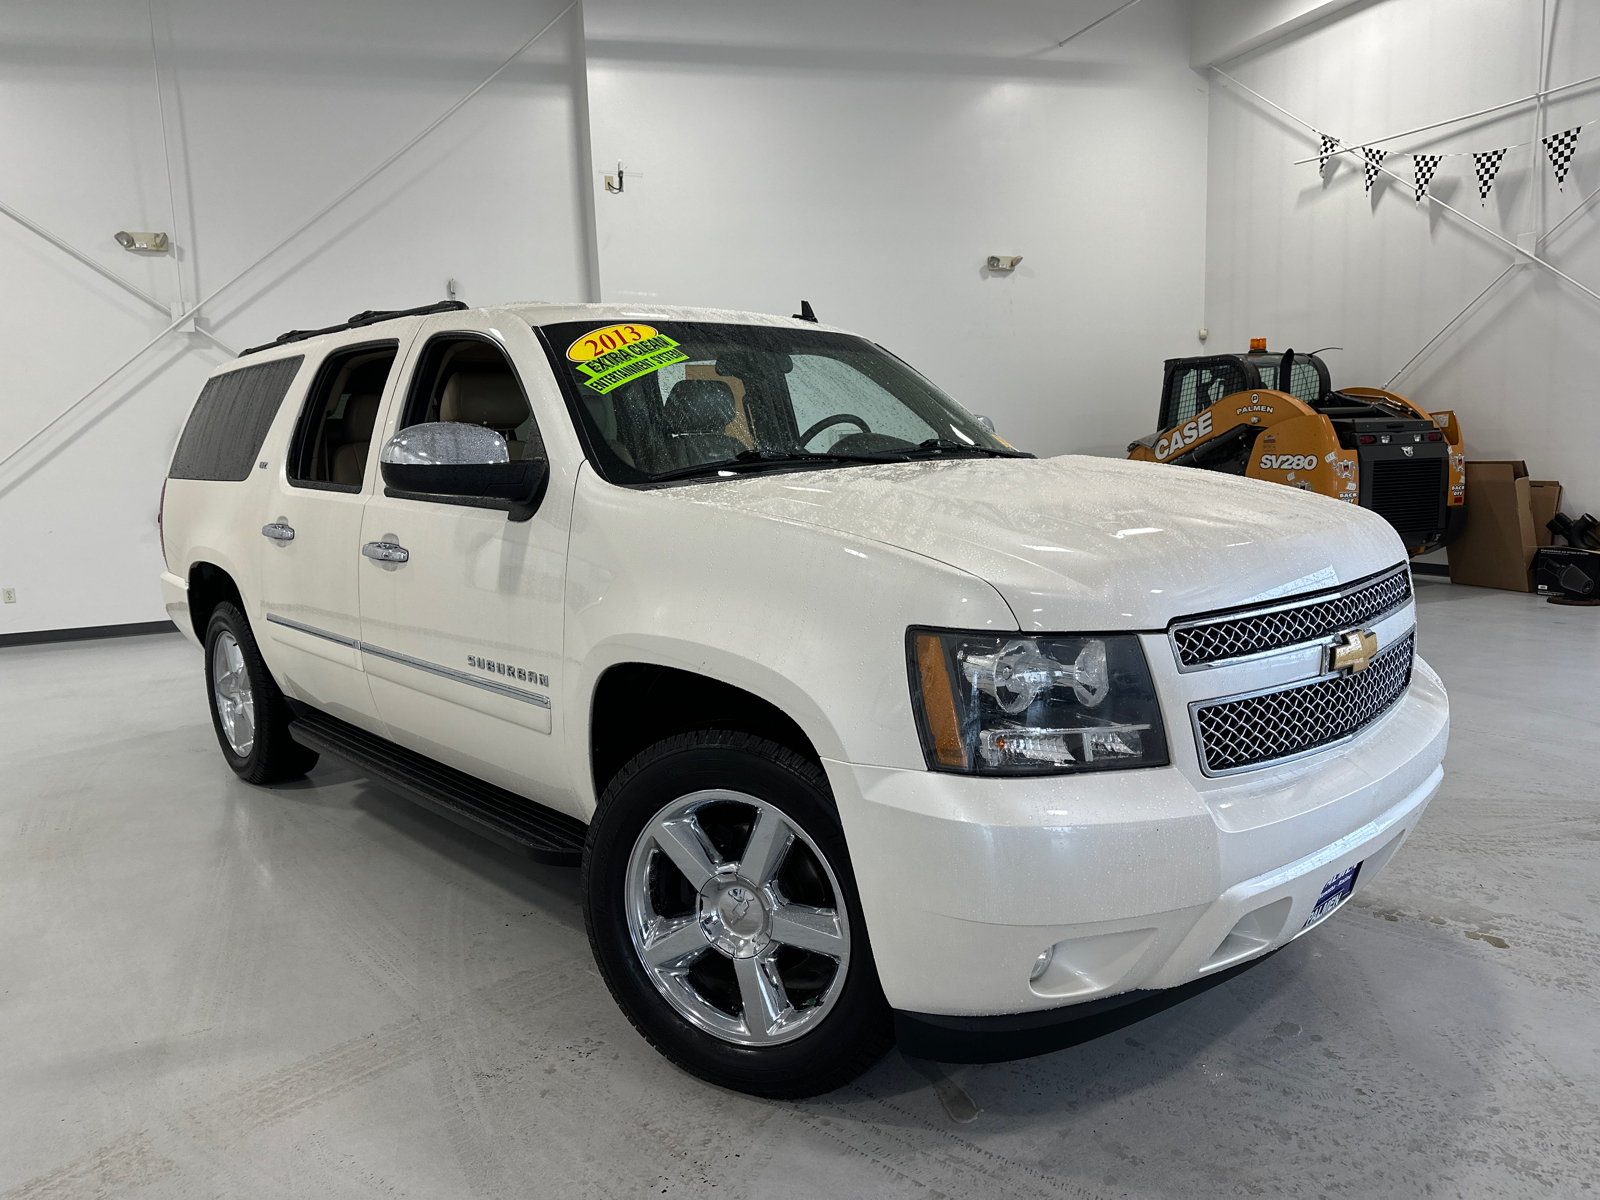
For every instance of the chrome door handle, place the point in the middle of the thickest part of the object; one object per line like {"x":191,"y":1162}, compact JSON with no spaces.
{"x":386,"y":552}
{"x":278,"y":532}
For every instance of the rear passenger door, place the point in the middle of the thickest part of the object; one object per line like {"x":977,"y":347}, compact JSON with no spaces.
{"x":461,"y":641}
{"x":311,"y":534}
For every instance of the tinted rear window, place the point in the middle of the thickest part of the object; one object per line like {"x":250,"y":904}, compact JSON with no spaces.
{"x":230,"y":421}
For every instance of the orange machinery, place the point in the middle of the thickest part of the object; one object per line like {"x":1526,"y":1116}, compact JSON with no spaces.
{"x":1277,"y":417}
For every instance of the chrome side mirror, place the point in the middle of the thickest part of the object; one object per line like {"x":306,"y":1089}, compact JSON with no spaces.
{"x":445,"y":443}
{"x":986,"y":422}
{"x":451,"y":458}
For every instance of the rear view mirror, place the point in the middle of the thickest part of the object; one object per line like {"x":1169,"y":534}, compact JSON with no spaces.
{"x":450,"y":458}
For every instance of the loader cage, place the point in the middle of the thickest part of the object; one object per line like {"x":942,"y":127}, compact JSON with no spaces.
{"x":1195,"y":384}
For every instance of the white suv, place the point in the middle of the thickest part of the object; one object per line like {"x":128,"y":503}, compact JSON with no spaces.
{"x":861,"y":723}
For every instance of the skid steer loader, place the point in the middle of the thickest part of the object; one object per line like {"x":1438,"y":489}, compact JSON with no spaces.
{"x":1277,"y":417}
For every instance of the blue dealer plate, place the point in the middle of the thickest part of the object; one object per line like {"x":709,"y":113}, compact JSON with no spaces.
{"x":1334,"y":893}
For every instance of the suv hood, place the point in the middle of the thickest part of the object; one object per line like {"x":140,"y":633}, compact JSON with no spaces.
{"x":1077,"y":543}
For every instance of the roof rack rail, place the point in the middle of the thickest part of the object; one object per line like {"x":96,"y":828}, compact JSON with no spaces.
{"x":370,"y":317}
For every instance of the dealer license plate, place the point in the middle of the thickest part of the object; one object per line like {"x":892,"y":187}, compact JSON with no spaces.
{"x":1334,"y":893}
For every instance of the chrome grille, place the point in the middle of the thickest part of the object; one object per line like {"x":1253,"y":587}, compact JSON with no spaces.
{"x":1251,"y":731}
{"x":1207,"y":641}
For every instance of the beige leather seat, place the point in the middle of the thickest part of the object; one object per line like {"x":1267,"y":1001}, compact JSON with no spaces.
{"x":349,"y":463}
{"x":698,"y":413}
{"x":486,"y":397}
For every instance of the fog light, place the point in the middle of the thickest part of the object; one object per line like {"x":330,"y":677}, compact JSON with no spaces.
{"x":1041,"y":964}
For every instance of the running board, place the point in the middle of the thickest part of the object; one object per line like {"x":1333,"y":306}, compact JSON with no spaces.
{"x":514,"y":821}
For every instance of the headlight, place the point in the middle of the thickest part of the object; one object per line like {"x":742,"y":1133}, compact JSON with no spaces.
{"x":1049,"y":704}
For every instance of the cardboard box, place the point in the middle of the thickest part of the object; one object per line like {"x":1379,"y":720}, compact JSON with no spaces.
{"x":1498,"y":543}
{"x":1545,"y":495}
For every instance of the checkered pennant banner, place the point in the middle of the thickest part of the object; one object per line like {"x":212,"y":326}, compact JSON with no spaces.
{"x":1326,"y":146}
{"x":1374,"y":159}
{"x":1427,"y":164}
{"x":1487,"y":166}
{"x":1560,"y":148}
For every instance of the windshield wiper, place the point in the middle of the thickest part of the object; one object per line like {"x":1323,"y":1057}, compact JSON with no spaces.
{"x":945,"y":444}
{"x":750,"y":459}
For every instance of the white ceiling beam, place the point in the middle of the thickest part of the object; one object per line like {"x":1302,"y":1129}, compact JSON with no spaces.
{"x":1225,"y":29}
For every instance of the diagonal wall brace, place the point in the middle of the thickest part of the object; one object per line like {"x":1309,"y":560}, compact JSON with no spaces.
{"x":67,"y":247}
{"x":1515,"y":249}
{"x":190,"y":312}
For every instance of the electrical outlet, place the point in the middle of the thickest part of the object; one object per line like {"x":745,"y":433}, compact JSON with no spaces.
{"x":9,"y":595}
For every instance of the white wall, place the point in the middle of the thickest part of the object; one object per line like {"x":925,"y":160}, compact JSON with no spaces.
{"x":272,"y":110}
{"x":869,"y":157}
{"x":1309,"y":263}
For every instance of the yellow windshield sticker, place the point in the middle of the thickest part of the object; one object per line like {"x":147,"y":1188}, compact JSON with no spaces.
{"x":603,"y":341}
{"x":608,"y":358}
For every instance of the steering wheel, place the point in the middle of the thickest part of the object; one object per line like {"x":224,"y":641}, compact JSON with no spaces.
{"x":836,"y":419}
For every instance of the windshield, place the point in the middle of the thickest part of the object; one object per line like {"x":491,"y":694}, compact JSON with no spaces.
{"x":675,"y":398}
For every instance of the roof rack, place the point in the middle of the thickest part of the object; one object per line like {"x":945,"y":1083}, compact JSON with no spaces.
{"x":371,"y":317}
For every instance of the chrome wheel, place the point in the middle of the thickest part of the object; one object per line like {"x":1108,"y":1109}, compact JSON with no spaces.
{"x":737,"y":918}
{"x":230,"y":691}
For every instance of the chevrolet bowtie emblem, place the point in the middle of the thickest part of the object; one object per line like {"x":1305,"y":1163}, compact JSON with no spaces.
{"x":1353,"y":652}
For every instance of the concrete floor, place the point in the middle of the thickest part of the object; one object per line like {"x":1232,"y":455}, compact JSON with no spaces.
{"x":209,"y":989}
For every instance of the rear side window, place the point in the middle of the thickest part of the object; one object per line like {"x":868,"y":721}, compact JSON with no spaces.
{"x":333,"y":438}
{"x":230,"y":421}
{"x":1305,"y":380}
{"x":1305,"y":383}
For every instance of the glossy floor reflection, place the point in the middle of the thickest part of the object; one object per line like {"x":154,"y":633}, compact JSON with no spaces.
{"x":212,"y":989}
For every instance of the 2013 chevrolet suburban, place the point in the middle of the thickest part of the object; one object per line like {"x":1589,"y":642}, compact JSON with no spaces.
{"x":860,"y":722}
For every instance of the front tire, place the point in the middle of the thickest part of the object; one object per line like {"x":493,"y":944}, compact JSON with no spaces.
{"x":248,"y":711}
{"x":724,"y":916}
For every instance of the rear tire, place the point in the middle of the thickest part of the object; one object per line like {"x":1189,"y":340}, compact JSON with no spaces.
{"x":747,"y":965}
{"x":248,"y":711}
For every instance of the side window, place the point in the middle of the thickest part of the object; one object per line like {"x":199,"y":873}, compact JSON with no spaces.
{"x":467,"y":378}
{"x":1305,"y":383}
{"x":230,"y":421}
{"x":333,"y":438}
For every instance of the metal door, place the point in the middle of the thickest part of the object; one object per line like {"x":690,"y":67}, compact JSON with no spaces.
{"x":461,"y":607}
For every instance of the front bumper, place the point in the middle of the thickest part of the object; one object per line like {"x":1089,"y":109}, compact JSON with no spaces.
{"x":1140,"y":880}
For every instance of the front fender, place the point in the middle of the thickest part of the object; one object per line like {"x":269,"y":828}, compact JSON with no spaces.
{"x":809,"y":619}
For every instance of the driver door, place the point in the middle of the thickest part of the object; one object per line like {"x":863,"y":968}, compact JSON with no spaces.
{"x":462,"y":640}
